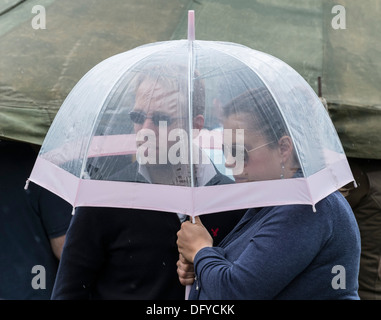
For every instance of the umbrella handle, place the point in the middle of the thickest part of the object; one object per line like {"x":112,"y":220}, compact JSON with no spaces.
{"x":189,"y":286}
{"x":187,"y":291}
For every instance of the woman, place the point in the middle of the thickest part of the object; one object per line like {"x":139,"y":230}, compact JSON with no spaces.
{"x":280,"y":252}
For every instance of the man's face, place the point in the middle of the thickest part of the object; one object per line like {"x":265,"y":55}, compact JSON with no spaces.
{"x":155,"y":103}
{"x":159,"y":110}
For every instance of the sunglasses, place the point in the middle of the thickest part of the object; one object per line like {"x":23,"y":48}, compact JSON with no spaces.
{"x":138,"y":117}
{"x":232,"y":150}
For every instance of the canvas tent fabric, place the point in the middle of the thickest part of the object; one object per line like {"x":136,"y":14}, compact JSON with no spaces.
{"x":38,"y":68}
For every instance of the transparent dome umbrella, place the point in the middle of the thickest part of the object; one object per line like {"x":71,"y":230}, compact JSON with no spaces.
{"x":191,"y":127}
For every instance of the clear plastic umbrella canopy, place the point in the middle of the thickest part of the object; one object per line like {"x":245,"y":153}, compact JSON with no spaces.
{"x":192,"y":127}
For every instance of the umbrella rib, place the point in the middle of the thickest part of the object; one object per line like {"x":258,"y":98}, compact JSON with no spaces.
{"x":190,"y":104}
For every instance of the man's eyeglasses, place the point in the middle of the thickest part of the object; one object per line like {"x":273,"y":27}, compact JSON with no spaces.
{"x":138,"y":117}
{"x":232,"y":150}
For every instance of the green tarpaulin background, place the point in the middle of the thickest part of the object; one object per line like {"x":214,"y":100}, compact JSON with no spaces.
{"x":38,"y":68}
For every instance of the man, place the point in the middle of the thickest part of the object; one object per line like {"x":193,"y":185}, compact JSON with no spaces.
{"x":33,"y":224}
{"x":113,"y":253}
{"x":365,"y":201}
